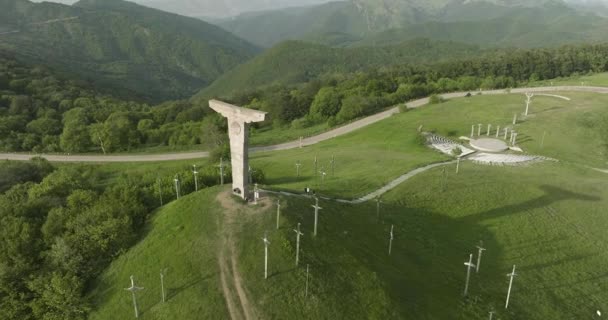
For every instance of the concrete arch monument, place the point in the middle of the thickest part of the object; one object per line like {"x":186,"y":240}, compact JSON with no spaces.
{"x":238,"y":124}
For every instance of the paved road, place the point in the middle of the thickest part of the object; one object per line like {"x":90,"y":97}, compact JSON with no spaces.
{"x":294,"y":144}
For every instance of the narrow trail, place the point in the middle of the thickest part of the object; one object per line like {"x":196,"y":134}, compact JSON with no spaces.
{"x":388,"y":187}
{"x":356,"y":125}
{"x":239,"y":306}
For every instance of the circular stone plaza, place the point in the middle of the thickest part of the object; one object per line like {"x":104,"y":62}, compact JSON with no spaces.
{"x":489,"y":145}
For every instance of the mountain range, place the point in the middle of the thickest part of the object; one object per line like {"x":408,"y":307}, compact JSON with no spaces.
{"x":484,"y":22}
{"x":122,"y":46}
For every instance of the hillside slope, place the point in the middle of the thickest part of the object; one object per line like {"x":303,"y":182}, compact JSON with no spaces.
{"x":208,"y":244}
{"x":122,"y":45}
{"x":295,"y":62}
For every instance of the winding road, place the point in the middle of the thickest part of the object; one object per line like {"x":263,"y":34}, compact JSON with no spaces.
{"x":293,"y":144}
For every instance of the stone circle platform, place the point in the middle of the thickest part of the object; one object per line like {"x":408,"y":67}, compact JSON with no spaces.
{"x":489,"y":145}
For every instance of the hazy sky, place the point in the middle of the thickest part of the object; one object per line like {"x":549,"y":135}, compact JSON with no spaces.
{"x":214,"y":8}
{"x":227,"y":8}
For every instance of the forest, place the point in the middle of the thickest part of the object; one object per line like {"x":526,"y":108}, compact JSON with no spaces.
{"x":43,"y":112}
{"x":60,"y":226}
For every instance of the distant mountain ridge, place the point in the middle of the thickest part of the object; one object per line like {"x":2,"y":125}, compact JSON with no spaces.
{"x":226,"y":8}
{"x":122,"y":45}
{"x":361,"y":20}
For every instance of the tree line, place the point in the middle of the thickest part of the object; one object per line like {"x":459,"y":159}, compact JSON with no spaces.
{"x":43,"y":112}
{"x":60,"y":227}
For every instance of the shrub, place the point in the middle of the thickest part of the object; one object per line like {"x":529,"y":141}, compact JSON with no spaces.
{"x":436,"y":99}
{"x":421,"y":139}
{"x":457,"y":151}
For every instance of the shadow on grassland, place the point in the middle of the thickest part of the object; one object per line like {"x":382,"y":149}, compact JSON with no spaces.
{"x":424,"y":271}
{"x":424,"y":276}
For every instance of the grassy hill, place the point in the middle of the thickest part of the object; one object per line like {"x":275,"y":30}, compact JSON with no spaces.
{"x":123,"y":46}
{"x":546,"y":218}
{"x":296,"y":61}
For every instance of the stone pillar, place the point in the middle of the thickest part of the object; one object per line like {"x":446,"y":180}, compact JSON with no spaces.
{"x":238,"y":125}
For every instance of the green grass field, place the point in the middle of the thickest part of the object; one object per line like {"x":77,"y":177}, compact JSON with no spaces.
{"x":185,"y":240}
{"x":597,"y":79}
{"x":539,"y":218}
{"x":369,"y":158}
{"x":546,"y":218}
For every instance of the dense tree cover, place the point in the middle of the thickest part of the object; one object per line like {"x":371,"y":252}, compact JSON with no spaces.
{"x":296,"y":61}
{"x":13,"y":173}
{"x":123,"y":47}
{"x":338,"y":98}
{"x":42,"y":112}
{"x":60,"y":227}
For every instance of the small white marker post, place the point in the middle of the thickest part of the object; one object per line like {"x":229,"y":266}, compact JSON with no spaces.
{"x":472,"y":131}
{"x":195,"y":177}
{"x":162,"y":284}
{"x":306,"y":292}
{"x":542,"y":142}
{"x":511,"y":137}
{"x":491,"y":314}
{"x":511,"y":275}
{"x":506,"y":133}
{"x":515,"y":119}
{"x":301,"y":144}
{"x":256,"y":194}
{"x":515,"y":139}
{"x":390,"y":241}
{"x":221,"y":171}
{"x":378,"y":201}
{"x":480,"y":250}
{"x":160,"y":191}
{"x":489,"y":129}
{"x":458,"y":165}
{"x":497,"y":131}
{"x":479,"y":130}
{"x":266,"y":243}
{"x":529,"y":96}
{"x":323,"y":174}
{"x":317,"y":208}
{"x":316,"y":164}
{"x":134,"y":289}
{"x":278,"y":212}
{"x":298,"y":165}
{"x":333,"y":165}
{"x":176,"y":180}
{"x":469,"y":266}
{"x":444,"y":179}
{"x":298,"y":234}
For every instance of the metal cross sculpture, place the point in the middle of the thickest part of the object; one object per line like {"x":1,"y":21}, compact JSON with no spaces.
{"x":133,"y":290}
{"x":469,"y":266}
